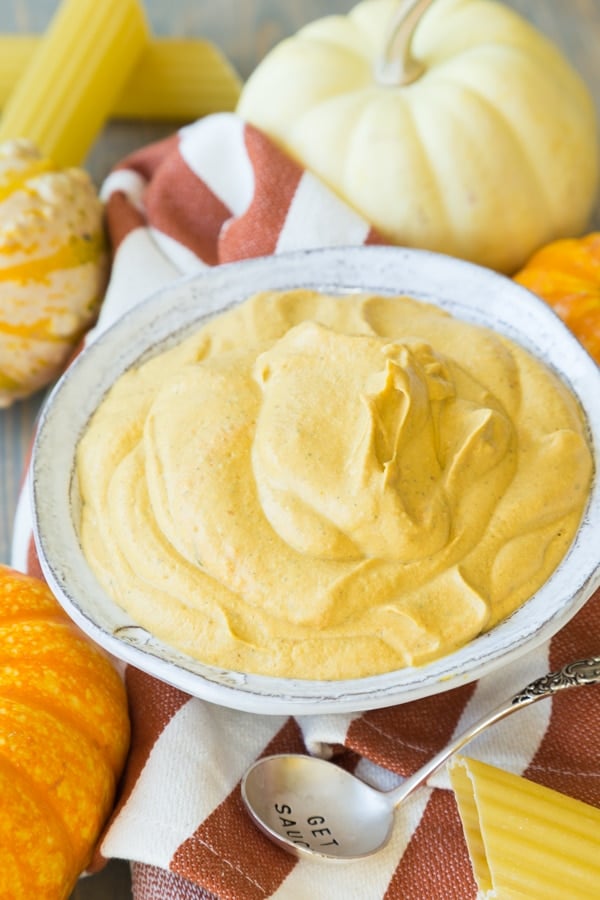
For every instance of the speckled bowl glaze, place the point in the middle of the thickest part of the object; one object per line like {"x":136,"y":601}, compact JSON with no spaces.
{"x":468,"y":292}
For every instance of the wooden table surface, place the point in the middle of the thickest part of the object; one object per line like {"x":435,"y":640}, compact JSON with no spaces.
{"x":244,"y":30}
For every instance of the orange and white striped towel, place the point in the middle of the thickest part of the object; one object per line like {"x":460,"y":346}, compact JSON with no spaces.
{"x":215,"y":192}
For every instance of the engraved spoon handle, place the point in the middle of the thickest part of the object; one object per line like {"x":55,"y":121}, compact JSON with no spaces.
{"x":574,"y":674}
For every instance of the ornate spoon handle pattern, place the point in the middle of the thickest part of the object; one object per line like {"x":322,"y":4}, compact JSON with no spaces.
{"x":573,"y":674}
{"x":583,"y":671}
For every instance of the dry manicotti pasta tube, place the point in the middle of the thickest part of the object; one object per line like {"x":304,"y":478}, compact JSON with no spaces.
{"x":524,"y":839}
{"x":77,"y":71}
{"x":175,"y":79}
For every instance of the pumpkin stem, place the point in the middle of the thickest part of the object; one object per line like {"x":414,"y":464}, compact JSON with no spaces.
{"x":397,"y":66}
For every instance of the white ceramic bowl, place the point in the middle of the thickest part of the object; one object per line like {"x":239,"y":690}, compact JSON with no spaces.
{"x":465,"y":290}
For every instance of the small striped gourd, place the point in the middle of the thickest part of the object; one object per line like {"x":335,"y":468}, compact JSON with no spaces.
{"x":53,"y":266}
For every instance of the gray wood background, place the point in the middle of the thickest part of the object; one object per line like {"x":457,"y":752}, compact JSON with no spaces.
{"x":245,"y":30}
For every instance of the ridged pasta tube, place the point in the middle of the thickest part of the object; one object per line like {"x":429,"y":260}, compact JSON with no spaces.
{"x":524,"y":839}
{"x":75,"y":76}
{"x":175,"y":79}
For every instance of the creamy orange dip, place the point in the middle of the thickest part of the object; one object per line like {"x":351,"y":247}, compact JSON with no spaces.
{"x":331,"y":487}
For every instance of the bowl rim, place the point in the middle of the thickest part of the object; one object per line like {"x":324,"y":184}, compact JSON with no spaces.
{"x":162,"y":320}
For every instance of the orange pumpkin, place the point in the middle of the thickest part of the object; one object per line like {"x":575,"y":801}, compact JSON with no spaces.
{"x":566,"y":274}
{"x":64,"y":735}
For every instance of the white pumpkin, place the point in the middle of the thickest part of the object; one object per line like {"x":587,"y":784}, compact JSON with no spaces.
{"x":487,"y":151}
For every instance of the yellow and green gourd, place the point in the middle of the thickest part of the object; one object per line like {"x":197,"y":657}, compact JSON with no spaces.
{"x":53,"y":266}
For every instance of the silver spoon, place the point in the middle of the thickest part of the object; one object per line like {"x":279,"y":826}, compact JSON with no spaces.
{"x":313,"y":808}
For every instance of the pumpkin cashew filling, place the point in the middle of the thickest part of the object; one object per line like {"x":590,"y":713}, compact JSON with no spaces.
{"x":328,"y":487}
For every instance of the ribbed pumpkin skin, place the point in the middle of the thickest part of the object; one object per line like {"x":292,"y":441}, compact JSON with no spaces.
{"x":64,"y":735}
{"x":53,"y":266}
{"x":566,"y":274}
{"x":487,"y":156}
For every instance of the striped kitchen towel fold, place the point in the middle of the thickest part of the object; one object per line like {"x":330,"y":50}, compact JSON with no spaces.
{"x":215,"y":192}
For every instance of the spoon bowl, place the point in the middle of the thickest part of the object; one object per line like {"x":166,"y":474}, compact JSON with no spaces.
{"x":315,"y":809}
